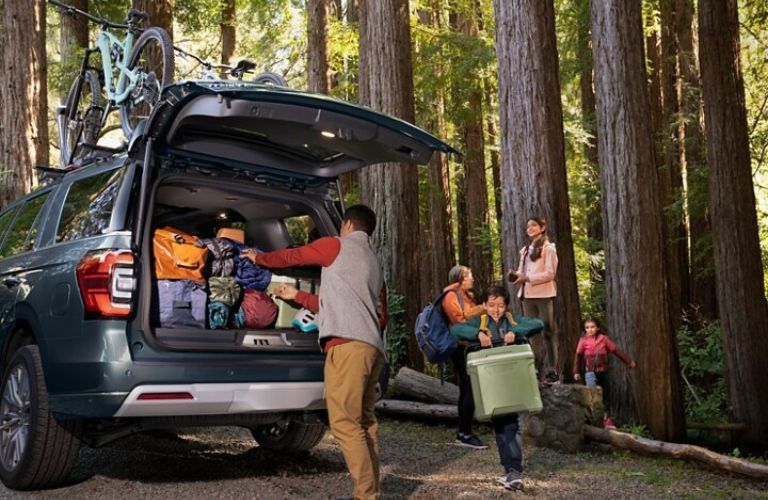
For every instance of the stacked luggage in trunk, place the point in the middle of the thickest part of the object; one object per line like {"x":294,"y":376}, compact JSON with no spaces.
{"x":205,"y":283}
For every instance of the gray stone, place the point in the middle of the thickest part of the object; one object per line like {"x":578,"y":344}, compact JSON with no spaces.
{"x":567,"y":407}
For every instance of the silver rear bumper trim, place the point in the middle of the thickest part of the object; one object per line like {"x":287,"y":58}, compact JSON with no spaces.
{"x":224,"y":399}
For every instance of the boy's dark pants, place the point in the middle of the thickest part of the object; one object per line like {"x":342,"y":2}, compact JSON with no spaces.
{"x":509,"y":440}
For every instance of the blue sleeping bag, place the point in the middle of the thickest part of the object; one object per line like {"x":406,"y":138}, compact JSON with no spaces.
{"x":248,"y":274}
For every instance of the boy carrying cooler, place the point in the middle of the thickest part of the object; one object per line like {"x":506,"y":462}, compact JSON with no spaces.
{"x":498,"y":325}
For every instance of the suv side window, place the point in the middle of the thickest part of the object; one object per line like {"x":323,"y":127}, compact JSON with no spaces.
{"x":5,"y":221}
{"x":87,"y":210}
{"x":21,"y":237}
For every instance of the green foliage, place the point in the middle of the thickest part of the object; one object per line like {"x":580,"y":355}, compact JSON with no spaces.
{"x":640,"y":430}
{"x":397,"y":334}
{"x":701,"y":364}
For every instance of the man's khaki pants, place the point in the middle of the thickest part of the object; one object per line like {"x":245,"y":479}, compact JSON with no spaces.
{"x":351,"y":373}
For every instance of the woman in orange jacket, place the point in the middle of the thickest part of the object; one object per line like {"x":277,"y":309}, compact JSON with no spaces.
{"x":458,"y":307}
{"x":536,"y":273}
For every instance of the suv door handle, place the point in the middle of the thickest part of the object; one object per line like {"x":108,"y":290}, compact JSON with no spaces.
{"x":11,"y":282}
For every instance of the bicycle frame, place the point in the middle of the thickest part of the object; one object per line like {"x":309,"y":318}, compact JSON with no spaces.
{"x":117,"y":91}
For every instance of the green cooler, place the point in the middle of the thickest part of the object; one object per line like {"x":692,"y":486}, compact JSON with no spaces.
{"x":503,"y":381}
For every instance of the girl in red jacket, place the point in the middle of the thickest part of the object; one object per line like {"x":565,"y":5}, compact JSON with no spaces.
{"x":592,"y":356}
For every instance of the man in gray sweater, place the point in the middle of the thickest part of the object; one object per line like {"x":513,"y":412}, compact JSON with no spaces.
{"x":351,"y":314}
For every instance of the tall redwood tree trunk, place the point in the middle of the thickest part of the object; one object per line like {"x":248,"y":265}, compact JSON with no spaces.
{"x":228,"y":33}
{"x":532,"y":147}
{"x":24,"y":95}
{"x":675,"y":232}
{"x":739,"y":271}
{"x":391,"y":189}
{"x":318,"y":77}
{"x":703,"y":296}
{"x":474,"y":188}
{"x":637,"y":309}
{"x":73,"y":38}
{"x":160,"y":13}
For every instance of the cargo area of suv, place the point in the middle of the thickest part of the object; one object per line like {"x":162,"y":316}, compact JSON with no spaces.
{"x":263,"y":218}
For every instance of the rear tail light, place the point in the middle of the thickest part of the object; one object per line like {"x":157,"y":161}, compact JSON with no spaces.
{"x":164,"y":396}
{"x":106,"y":282}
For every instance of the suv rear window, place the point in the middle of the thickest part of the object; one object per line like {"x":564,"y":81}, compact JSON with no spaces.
{"x":21,"y":237}
{"x":88,"y":208}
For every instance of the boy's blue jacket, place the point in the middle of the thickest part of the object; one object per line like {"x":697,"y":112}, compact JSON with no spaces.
{"x":519,"y":325}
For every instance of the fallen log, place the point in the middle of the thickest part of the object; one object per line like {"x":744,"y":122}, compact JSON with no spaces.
{"x":411,"y":384}
{"x":675,"y":450}
{"x":416,"y":409}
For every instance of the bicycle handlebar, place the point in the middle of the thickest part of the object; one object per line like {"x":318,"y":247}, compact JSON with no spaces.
{"x":72,"y":10}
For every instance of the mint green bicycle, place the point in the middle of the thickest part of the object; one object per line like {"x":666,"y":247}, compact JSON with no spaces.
{"x":133,"y":72}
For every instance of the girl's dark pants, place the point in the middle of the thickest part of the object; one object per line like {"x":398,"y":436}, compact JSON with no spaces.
{"x":509,"y":441}
{"x":466,"y":403}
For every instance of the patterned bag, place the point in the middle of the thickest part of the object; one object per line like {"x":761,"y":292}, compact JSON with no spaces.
{"x":223,"y":289}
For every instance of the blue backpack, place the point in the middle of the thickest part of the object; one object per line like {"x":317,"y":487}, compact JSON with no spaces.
{"x":432,"y":332}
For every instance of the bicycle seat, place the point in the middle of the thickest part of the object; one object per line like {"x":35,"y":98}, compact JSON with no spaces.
{"x":135,"y":16}
{"x":243,"y":66}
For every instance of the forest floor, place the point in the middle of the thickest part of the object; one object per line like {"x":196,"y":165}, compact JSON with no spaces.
{"x":419,"y":461}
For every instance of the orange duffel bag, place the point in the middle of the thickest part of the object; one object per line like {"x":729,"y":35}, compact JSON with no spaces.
{"x":177,"y":257}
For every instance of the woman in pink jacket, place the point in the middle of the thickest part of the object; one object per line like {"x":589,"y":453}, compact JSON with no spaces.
{"x":536,"y":273}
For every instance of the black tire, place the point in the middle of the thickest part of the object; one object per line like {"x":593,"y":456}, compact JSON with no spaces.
{"x":48,"y":448}
{"x":85,"y":124}
{"x":289,"y":437}
{"x":157,"y":73}
{"x":270,"y":78}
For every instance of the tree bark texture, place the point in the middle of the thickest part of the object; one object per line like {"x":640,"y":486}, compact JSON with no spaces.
{"x":739,"y":271}
{"x":594,"y":204}
{"x":474,"y":189}
{"x":228,"y":34}
{"x":637,"y":309}
{"x":318,"y":77}
{"x":440,"y":248}
{"x":532,"y":148}
{"x":415,"y":409}
{"x":702,"y":264}
{"x":160,"y":13}
{"x":23,"y":94}
{"x":391,"y":189}
{"x":420,"y":387}
{"x":73,"y":39}
{"x":671,"y":188}
{"x":492,"y":134}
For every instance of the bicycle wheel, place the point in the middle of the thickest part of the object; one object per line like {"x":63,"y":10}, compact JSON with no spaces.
{"x":270,"y":78}
{"x":80,"y":121}
{"x":153,"y":57}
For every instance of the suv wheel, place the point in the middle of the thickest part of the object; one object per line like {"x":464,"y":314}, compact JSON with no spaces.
{"x":36,"y":451}
{"x":289,"y":436}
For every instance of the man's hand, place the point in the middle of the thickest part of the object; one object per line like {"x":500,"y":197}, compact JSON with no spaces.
{"x":285,"y":292}
{"x":509,"y":338}
{"x":249,"y":253}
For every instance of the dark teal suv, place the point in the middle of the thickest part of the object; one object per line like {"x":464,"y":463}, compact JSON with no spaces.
{"x":84,"y":356}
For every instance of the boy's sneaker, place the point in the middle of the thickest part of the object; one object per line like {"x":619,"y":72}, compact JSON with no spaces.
{"x":470,"y":441}
{"x":512,"y":481}
{"x":608,"y":423}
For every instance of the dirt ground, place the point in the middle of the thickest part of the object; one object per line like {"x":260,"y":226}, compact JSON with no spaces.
{"x":419,"y":461}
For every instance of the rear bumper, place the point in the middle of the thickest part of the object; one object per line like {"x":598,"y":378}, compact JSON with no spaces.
{"x":224,"y":399}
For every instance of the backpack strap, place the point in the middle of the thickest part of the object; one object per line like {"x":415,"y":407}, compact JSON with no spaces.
{"x":483,"y":322}
{"x":511,"y":319}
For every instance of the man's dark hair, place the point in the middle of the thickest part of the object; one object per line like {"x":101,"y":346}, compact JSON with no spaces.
{"x":497,"y":291}
{"x":362,"y":218}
